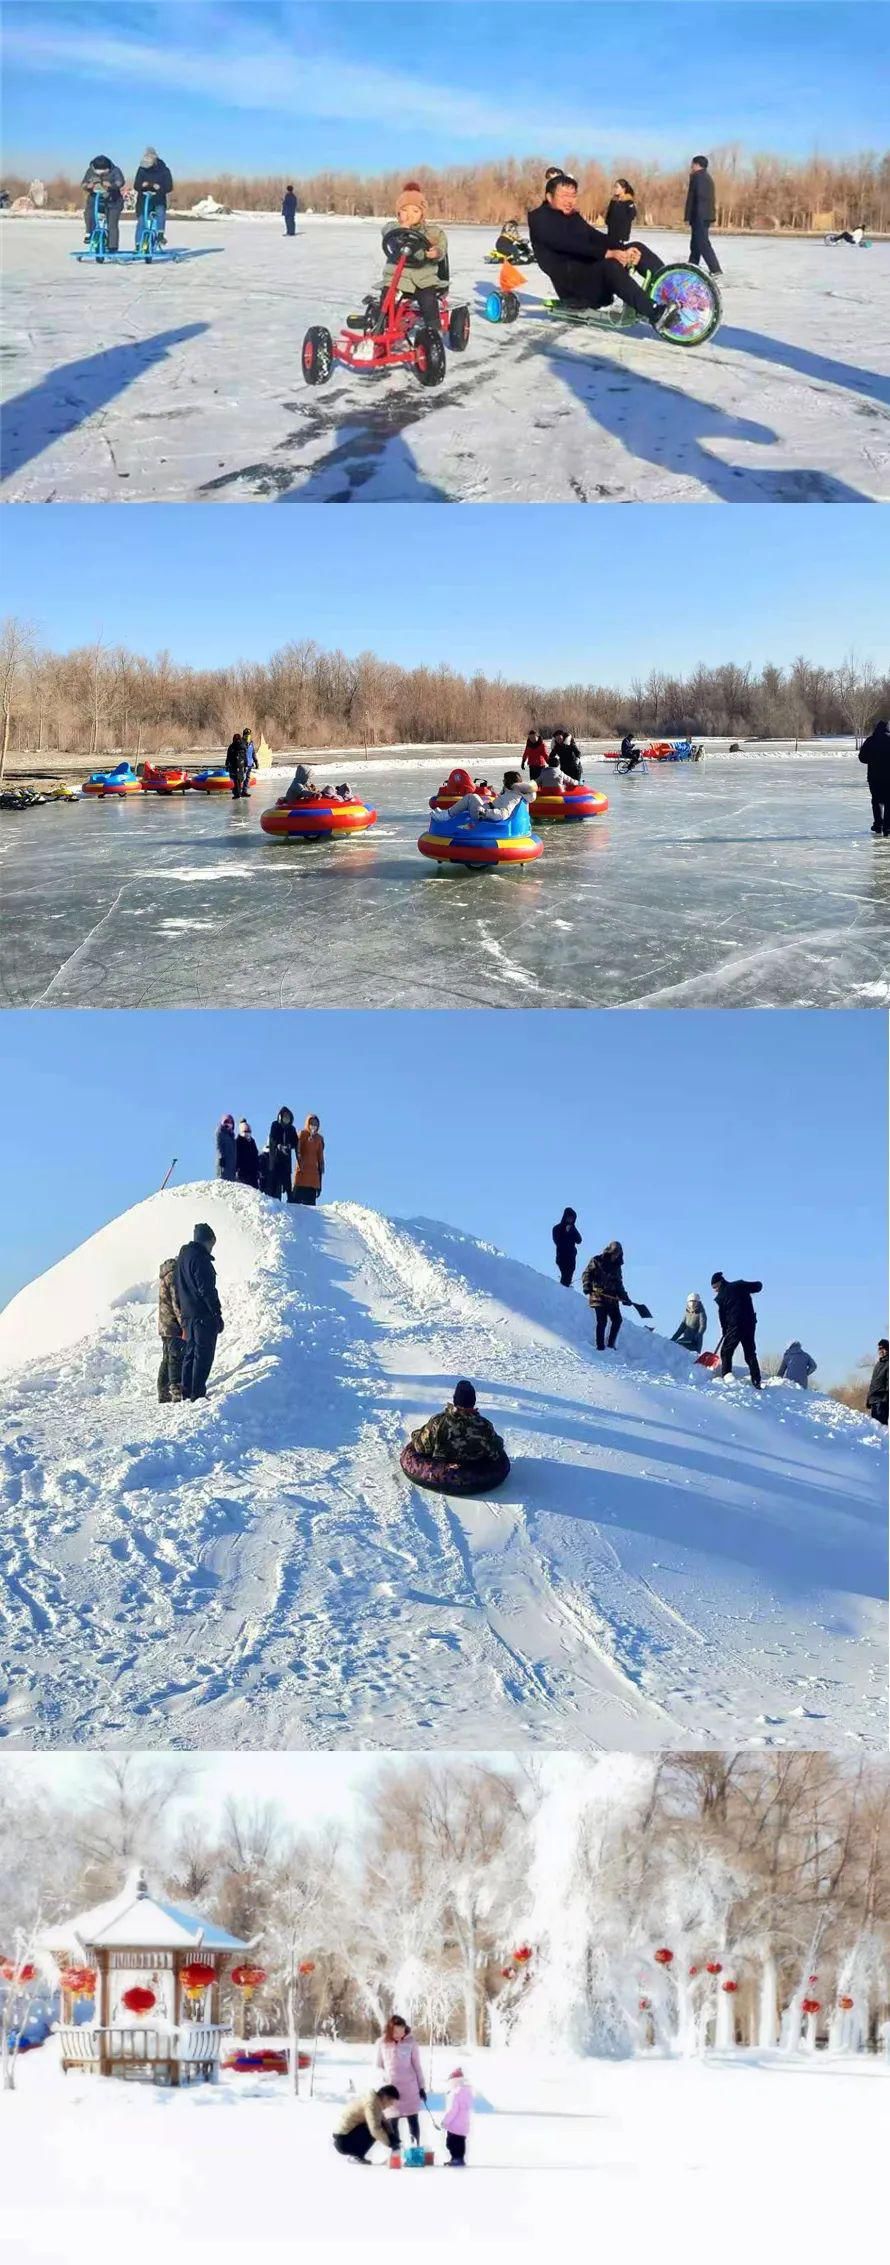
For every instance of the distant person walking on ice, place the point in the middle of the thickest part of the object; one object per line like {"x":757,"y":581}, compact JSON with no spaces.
{"x":226,"y":1151}
{"x":796,"y":1366}
{"x":171,"y":1333}
{"x":289,"y":210}
{"x":366,"y":2123}
{"x":876,"y":1401}
{"x":247,"y":1162}
{"x":567,"y":1242}
{"x":875,"y":754}
{"x":398,"y":2057}
{"x":236,"y":765}
{"x":691,"y":1333}
{"x":701,"y":213}
{"x":198,"y":1300}
{"x":457,"y":2118}
{"x":603,"y":1285}
{"x":534,"y":754}
{"x":310,"y":1163}
{"x":738,"y":1322}
{"x":282,"y":1146}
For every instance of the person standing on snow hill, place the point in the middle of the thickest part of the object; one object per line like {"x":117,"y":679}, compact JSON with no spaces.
{"x":103,"y":174}
{"x":152,"y":179}
{"x":282,"y":1146}
{"x":738,"y":1322}
{"x":398,"y":2057}
{"x":171,"y":1333}
{"x":875,"y":754}
{"x":691,"y":1333}
{"x":797,"y":1366}
{"x":701,"y":213}
{"x":427,"y":275}
{"x":198,"y":1300}
{"x":877,"y":1401}
{"x":366,"y":2123}
{"x":457,"y":2117}
{"x":226,"y":1152}
{"x":247,"y":1162}
{"x":310,"y":1163}
{"x":584,"y":271}
{"x":603,"y":1285}
{"x":534,"y":757}
{"x":289,"y":210}
{"x":567,"y":1243}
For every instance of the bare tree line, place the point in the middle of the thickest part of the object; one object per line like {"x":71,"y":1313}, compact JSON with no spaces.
{"x":755,"y":190}
{"x":98,"y":700}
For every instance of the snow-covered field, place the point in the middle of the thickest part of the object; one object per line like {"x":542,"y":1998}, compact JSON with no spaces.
{"x":739,"y":881}
{"x":672,"y":1562}
{"x":183,"y":382}
{"x":654,"y":2158}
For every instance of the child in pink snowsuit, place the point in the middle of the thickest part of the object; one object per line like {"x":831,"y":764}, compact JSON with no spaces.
{"x":456,"y":2120}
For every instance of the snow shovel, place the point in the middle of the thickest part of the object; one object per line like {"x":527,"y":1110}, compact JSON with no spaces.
{"x":710,"y":1360}
{"x":643,"y":1311}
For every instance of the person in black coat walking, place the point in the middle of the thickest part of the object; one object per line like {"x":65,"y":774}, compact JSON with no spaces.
{"x":247,"y":1160}
{"x":567,"y":1243}
{"x":701,"y":212}
{"x":198,"y":1300}
{"x":738,"y":1323}
{"x":875,"y":754}
{"x":567,"y":754}
{"x":226,"y":1149}
{"x":578,"y":260}
{"x":237,"y":766}
{"x":289,"y":208}
{"x":283,"y":1145}
{"x":877,"y":1401}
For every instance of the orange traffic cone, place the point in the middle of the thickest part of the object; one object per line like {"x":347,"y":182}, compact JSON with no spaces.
{"x":510,"y":277}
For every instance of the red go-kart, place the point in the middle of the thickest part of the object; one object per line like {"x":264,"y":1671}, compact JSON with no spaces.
{"x":390,"y":333}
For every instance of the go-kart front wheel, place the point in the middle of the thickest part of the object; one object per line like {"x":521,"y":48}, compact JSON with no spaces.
{"x":429,"y":357}
{"x":459,"y":330}
{"x":318,"y":355}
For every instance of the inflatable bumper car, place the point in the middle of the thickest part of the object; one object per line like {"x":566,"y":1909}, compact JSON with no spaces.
{"x":317,"y":817}
{"x":485,"y":841}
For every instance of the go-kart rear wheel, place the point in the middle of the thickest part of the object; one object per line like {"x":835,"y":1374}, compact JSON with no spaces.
{"x":459,"y":330}
{"x":318,"y":355}
{"x":429,"y":357}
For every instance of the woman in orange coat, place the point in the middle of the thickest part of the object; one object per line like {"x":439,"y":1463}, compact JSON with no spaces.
{"x":310,"y":1163}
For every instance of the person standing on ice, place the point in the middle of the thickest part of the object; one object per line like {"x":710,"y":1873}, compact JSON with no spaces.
{"x":621,"y":212}
{"x":282,"y":1146}
{"x":567,"y":1243}
{"x":534,"y":754}
{"x":691,"y":1333}
{"x":397,"y":2055}
{"x":603,"y":1285}
{"x":567,"y":755}
{"x":198,"y":1301}
{"x":310,"y":1163}
{"x":289,"y":210}
{"x":367,"y":2123}
{"x":875,"y":754}
{"x":226,"y":1149}
{"x":236,"y":765}
{"x":738,"y":1322}
{"x":457,"y":2118}
{"x":247,"y":1162}
{"x":700,"y":213}
{"x":250,"y":761}
{"x":152,"y":179}
{"x":796,"y":1366}
{"x":171,"y":1333}
{"x":877,"y":1401}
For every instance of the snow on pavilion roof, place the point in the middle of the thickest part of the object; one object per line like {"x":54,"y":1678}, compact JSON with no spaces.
{"x":136,"y":1920}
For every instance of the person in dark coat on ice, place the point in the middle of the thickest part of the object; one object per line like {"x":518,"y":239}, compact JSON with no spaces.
{"x":584,"y":270}
{"x":701,"y":212}
{"x":226,"y":1149}
{"x":198,"y":1301}
{"x":152,"y":179}
{"x":621,"y":212}
{"x":603,"y":1285}
{"x":102,"y":174}
{"x":877,"y":1401}
{"x":289,"y":210}
{"x":567,"y":754}
{"x":283,"y":1145}
{"x":567,"y":1243}
{"x":875,"y":754}
{"x":738,"y":1322}
{"x":237,"y":765}
{"x":247,"y":1162}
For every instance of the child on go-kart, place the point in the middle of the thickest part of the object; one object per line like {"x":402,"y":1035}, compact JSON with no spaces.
{"x":425,"y":278}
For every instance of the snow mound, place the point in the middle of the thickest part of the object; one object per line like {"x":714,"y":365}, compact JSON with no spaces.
{"x":671,"y":1562}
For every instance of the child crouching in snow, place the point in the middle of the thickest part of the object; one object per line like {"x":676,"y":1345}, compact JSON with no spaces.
{"x":456,"y":2119}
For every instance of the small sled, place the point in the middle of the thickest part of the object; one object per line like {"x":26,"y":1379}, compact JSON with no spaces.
{"x":453,"y":1478}
{"x":412,"y":2159}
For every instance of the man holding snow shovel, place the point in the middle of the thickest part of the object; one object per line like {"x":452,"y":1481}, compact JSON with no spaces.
{"x":603,"y":1284}
{"x":738,"y":1322}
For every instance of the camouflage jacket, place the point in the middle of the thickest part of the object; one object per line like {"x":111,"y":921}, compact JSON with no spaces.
{"x":458,"y":1435}
{"x":169,"y":1316}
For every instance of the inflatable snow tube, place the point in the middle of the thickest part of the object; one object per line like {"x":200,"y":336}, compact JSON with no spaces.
{"x":453,"y":1478}
{"x":123,"y":780}
{"x":211,"y":782}
{"x":164,"y":780}
{"x":576,"y":802}
{"x":317,"y":818}
{"x":488,"y":841}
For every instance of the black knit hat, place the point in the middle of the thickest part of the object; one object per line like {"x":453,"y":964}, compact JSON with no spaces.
{"x":464,"y":1394}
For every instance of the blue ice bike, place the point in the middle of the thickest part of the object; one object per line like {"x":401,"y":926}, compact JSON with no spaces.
{"x":149,"y":226}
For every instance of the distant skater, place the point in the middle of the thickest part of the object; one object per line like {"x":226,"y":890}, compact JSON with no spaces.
{"x":289,"y":209}
{"x":701,"y":212}
{"x":567,"y":1243}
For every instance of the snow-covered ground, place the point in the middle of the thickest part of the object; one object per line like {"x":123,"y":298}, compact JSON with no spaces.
{"x":739,"y":881}
{"x":672,"y":1562}
{"x":655,"y":2158}
{"x":183,"y":382}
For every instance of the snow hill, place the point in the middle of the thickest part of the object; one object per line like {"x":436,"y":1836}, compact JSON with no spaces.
{"x":672,"y":1562}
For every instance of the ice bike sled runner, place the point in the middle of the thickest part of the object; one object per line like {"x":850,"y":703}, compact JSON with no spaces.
{"x":390,"y":333}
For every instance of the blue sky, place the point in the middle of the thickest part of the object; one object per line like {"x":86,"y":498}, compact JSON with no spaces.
{"x":582,"y":597}
{"x":753,"y":1142}
{"x":263,"y":85}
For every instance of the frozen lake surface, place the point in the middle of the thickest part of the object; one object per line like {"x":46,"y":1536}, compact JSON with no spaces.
{"x":737,"y":882}
{"x":183,"y":382}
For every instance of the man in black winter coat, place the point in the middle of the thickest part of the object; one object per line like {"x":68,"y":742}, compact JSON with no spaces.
{"x":289,"y":209}
{"x":584,"y":270}
{"x":152,"y":179}
{"x":875,"y":754}
{"x":701,"y":212}
{"x":236,"y":765}
{"x":877,"y":1403}
{"x":567,"y":754}
{"x":738,"y":1323}
{"x":282,"y":1146}
{"x":198,"y":1300}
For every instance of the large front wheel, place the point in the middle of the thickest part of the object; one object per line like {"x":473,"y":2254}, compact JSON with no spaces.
{"x":697,"y":308}
{"x":318,"y":355}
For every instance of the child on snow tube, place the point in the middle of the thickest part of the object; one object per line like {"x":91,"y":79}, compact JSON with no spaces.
{"x":458,"y":1451}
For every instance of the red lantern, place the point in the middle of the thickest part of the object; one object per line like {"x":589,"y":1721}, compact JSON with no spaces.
{"x":523,"y":1954}
{"x":714,"y":1966}
{"x":196,"y":1977}
{"x":10,"y":1971}
{"x":730,"y":1988}
{"x":306,"y":1966}
{"x":664,"y":1958}
{"x":139,"y":2000}
{"x":846,"y":2005}
{"x":507,"y":1972}
{"x":645,"y":2004}
{"x":692,"y":1973}
{"x":248,"y":1978}
{"x":811,"y":2005}
{"x":79,"y":1981}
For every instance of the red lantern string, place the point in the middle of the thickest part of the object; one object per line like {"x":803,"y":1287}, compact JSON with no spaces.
{"x":197,"y":1977}
{"x":523,"y":1954}
{"x":730,"y":1988}
{"x":10,"y":1971}
{"x":664,"y":1958}
{"x":714,"y":1966}
{"x":139,"y":2000}
{"x":248,"y":1978}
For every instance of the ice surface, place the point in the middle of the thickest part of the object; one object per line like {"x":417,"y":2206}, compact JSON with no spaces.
{"x":734,"y":882}
{"x":671,"y":1563}
{"x":184,"y":383}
